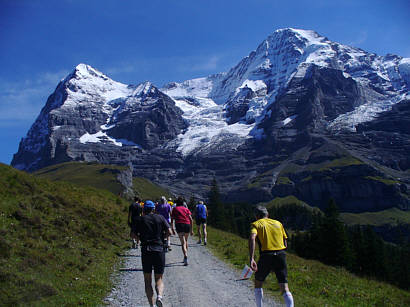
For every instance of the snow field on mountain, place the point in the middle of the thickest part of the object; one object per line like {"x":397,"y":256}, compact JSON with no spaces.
{"x":207,"y":124}
{"x":363,"y":113}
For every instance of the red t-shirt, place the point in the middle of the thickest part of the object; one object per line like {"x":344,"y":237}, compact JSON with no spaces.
{"x":181,"y":215}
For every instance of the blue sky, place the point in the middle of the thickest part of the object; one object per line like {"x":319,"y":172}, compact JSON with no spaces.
{"x":162,"y":41}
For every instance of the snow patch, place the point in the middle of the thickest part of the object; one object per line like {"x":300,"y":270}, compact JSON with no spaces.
{"x":363,"y":113}
{"x":404,"y":69}
{"x":254,"y":85}
{"x":102,"y":137}
{"x":288,"y":120}
{"x":200,"y":87}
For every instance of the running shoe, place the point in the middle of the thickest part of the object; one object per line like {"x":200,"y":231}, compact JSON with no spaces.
{"x":199,"y":242}
{"x":205,"y":242}
{"x":185,"y":261}
{"x":159,"y":302}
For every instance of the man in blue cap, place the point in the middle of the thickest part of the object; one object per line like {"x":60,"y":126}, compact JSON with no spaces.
{"x":151,"y":229}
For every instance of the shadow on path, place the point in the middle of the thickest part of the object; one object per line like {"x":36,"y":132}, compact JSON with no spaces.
{"x":174,"y":264}
{"x":124,"y":255}
{"x":189,"y":244}
{"x":131,"y":270}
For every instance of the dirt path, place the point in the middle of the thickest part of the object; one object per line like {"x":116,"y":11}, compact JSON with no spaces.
{"x":205,"y":282}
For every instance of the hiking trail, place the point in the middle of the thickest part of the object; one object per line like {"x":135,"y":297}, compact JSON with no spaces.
{"x":205,"y":282}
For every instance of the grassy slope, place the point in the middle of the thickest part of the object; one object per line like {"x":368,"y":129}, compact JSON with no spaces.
{"x":58,"y":241}
{"x":148,"y":190}
{"x":89,"y":174}
{"x":311,"y":282}
{"x":391,"y":216}
{"x":288,"y":200}
{"x":101,"y":177}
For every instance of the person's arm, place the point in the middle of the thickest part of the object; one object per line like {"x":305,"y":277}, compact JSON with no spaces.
{"x":192,"y":223}
{"x":167,"y":228}
{"x":251,"y":244}
{"x":206,"y":211}
{"x":285,"y":237}
{"x":172,"y":224}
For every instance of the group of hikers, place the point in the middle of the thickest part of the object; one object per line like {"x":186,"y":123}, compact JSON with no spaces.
{"x":153,"y":223}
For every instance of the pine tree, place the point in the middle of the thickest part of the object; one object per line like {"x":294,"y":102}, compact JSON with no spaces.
{"x":335,"y":247}
{"x":216,"y":210}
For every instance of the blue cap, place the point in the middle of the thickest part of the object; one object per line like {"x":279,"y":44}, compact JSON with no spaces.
{"x":149,"y":204}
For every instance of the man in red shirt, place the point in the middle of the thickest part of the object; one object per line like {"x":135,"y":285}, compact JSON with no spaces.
{"x":183,"y":224}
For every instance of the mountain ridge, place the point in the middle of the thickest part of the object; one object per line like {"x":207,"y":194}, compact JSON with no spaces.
{"x":293,"y":93}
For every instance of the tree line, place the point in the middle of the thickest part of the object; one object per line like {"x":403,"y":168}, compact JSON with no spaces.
{"x":322,"y":236}
{"x":357,"y":248}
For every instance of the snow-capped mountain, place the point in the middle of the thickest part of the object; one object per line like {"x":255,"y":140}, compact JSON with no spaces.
{"x":288,"y":53}
{"x":297,"y":92}
{"x":89,"y":108}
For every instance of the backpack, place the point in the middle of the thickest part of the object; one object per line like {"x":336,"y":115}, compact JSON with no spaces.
{"x":201,"y":211}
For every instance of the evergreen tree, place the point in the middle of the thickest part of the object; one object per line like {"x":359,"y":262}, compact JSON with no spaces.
{"x":334,"y":245}
{"x":216,"y":209}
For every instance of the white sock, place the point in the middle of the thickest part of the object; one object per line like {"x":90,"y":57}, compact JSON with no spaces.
{"x":258,"y":296}
{"x":288,"y":299}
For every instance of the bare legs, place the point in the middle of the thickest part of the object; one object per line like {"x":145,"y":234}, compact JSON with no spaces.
{"x":284,"y":291}
{"x":159,"y":287}
{"x":202,"y":229}
{"x":199,"y":233}
{"x":183,"y":237}
{"x":135,"y":239}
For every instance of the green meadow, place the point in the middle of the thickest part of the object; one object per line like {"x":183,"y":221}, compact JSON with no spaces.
{"x":311,"y":282}
{"x":58,"y":241}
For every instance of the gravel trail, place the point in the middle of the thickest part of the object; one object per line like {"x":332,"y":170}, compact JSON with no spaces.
{"x":205,"y":282}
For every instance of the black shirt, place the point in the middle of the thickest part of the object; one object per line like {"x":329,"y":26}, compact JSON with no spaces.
{"x":135,"y":209}
{"x":151,"y":229}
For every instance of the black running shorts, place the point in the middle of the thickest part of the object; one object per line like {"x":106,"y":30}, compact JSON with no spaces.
{"x":272,"y":261}
{"x":200,"y":220}
{"x":153,"y":260}
{"x":134,"y":227}
{"x":186,"y":228}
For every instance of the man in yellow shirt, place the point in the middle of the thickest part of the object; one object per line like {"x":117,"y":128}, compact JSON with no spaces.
{"x":271,"y":238}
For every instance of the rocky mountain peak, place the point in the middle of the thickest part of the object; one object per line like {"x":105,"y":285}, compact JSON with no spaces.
{"x":144,"y":89}
{"x":296,"y":38}
{"x":86,"y":71}
{"x":296,"y":90}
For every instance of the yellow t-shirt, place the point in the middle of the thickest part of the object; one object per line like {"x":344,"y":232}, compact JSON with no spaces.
{"x":270,"y":234}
